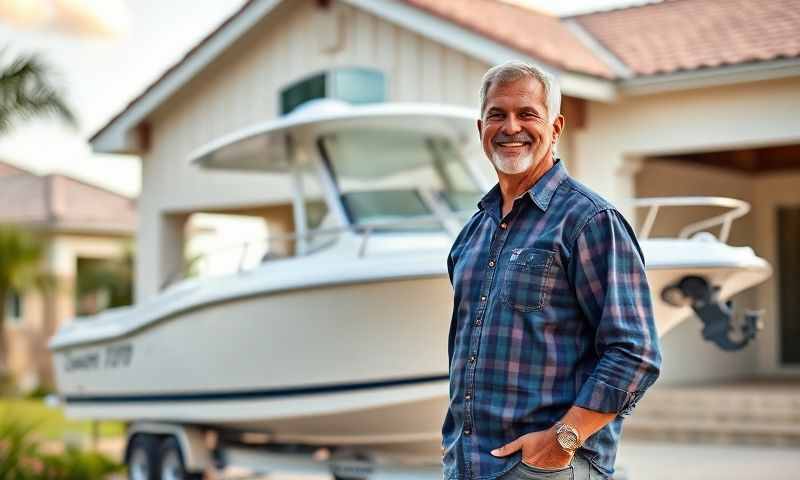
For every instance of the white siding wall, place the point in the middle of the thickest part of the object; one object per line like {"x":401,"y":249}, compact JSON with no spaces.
{"x":242,"y":88}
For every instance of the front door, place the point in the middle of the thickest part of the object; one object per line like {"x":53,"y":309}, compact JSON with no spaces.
{"x":789,"y":283}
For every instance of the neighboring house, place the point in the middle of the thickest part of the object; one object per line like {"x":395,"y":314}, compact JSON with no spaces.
{"x":82,"y":226}
{"x":685,"y":97}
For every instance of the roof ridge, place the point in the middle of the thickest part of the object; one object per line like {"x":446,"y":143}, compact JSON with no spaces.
{"x":526,"y":7}
{"x":644,"y":4}
{"x":600,"y":49}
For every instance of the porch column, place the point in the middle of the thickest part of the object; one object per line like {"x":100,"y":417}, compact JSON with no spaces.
{"x":171,"y":247}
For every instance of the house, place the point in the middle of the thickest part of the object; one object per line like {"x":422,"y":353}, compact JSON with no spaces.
{"x":683,"y":97}
{"x":82,"y":226}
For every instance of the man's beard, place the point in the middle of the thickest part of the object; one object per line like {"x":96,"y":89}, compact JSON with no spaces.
{"x":513,"y":166}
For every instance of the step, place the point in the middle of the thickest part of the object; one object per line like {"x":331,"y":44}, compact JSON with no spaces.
{"x":744,"y":414}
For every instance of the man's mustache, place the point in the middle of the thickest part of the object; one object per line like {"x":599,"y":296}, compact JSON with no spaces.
{"x":521,"y":137}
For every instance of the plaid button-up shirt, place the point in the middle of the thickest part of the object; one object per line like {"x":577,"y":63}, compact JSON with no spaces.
{"x":551,"y":309}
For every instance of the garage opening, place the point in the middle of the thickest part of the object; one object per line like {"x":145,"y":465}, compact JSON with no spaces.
{"x":768,"y":178}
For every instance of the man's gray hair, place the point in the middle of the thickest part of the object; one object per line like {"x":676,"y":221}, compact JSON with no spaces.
{"x":512,"y":71}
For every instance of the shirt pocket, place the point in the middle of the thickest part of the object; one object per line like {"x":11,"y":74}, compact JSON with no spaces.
{"x":528,"y":279}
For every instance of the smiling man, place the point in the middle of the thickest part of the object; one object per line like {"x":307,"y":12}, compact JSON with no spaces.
{"x":552,"y":340}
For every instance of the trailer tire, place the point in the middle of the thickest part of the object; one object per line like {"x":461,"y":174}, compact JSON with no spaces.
{"x":143,"y":458}
{"x":172,"y":466}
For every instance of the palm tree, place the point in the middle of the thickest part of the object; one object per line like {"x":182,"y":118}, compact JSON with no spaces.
{"x":20,"y":255}
{"x":26,"y":92}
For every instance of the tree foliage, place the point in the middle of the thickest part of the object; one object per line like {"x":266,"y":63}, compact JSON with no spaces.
{"x":27,"y":91}
{"x":20,"y":255}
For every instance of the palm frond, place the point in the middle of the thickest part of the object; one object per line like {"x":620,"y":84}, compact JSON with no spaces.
{"x":26,"y":92}
{"x":20,"y":253}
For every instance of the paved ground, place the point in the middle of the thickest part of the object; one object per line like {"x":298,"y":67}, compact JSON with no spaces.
{"x":640,"y":460}
{"x":679,"y":461}
{"x":667,"y":461}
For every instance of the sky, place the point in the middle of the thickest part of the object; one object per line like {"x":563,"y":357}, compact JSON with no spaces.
{"x":101,"y":74}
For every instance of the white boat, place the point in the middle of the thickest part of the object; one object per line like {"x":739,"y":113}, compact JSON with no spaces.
{"x":338,"y":336}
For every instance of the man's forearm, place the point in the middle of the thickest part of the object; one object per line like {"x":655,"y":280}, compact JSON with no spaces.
{"x":587,"y":422}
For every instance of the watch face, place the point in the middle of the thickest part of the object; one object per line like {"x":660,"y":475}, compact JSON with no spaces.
{"x":568,"y":440}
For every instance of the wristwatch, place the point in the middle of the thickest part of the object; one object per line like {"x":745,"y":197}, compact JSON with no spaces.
{"x":568,"y":437}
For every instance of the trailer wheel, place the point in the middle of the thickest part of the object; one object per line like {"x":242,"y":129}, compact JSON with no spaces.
{"x":172,"y":466}
{"x":143,"y":456}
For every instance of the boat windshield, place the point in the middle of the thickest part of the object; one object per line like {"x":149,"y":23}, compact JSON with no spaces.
{"x":401,"y":178}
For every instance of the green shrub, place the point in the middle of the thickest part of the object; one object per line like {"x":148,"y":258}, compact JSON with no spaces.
{"x":38,"y":393}
{"x":18,"y":451}
{"x":75,"y":464}
{"x":21,"y":457}
{"x":8,"y":386}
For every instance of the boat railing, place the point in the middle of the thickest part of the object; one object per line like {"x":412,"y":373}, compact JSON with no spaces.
{"x":736,"y":209}
{"x":309,"y":239}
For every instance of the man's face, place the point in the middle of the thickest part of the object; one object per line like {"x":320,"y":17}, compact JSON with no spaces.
{"x":514,"y":129}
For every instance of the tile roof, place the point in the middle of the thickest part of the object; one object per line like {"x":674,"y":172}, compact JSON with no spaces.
{"x":683,"y":35}
{"x":61,"y":202}
{"x":540,"y":35}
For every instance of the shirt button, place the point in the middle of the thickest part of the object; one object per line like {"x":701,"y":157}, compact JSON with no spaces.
{"x":503,"y":225}
{"x":478,"y":323}
{"x":467,"y":396}
{"x":483,"y":298}
{"x":472,"y":359}
{"x":491,"y":263}
{"x":467,"y":431}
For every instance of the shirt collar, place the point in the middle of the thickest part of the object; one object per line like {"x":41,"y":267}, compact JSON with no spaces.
{"x":541,"y":192}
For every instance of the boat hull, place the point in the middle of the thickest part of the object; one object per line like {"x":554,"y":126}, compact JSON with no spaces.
{"x":357,"y":363}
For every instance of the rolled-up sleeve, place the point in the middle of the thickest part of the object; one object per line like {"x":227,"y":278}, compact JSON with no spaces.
{"x":607,"y":268}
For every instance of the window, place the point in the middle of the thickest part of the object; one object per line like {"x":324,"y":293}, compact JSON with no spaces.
{"x":301,"y":92}
{"x":394,"y":176}
{"x":353,"y":85}
{"x":14,"y":307}
{"x":357,"y":85}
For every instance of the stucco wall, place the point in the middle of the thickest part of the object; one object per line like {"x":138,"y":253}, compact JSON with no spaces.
{"x":772,"y":191}
{"x":618,"y":135}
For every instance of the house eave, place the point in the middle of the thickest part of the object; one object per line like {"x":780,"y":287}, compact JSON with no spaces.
{"x":119,"y":135}
{"x":710,"y":77}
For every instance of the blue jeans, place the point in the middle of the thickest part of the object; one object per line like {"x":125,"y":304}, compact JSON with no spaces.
{"x":579,"y":469}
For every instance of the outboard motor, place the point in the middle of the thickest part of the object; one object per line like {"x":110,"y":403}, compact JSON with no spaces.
{"x":717,"y":317}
